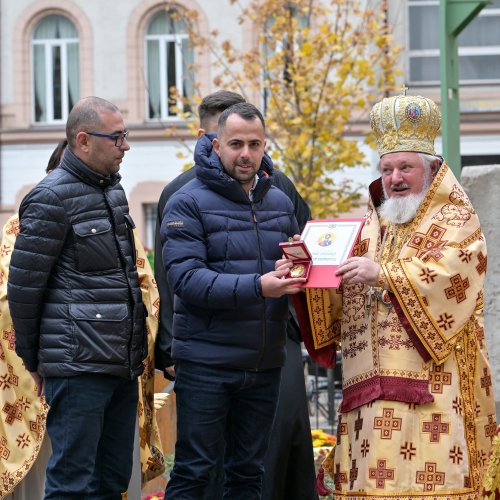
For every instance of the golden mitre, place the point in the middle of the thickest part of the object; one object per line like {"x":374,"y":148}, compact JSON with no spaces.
{"x":405,"y":123}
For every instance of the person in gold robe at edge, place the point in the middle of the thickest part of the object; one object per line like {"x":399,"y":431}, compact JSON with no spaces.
{"x":24,"y":445}
{"x":417,"y":415}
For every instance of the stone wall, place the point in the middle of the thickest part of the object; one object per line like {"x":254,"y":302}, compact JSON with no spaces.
{"x":482,"y":185}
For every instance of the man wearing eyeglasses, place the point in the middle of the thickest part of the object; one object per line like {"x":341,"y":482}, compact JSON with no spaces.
{"x":75,"y":301}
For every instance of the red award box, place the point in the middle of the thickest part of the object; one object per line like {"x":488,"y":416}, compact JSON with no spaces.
{"x":297,"y":252}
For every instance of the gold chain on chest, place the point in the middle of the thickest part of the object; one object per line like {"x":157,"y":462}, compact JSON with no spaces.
{"x":393,"y":240}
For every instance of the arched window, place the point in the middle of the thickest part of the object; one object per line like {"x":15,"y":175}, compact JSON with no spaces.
{"x":168,"y":61}
{"x":56,"y":69}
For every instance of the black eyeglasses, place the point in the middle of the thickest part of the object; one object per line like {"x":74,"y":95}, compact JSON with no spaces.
{"x":118,"y":138}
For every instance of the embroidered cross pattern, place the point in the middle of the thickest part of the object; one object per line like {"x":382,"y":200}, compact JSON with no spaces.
{"x":13,"y":227}
{"x":438,"y":378}
{"x":361,"y":248}
{"x":156,"y":305}
{"x":477,"y":409}
{"x":491,"y":427}
{"x":316,"y":297}
{"x":4,"y":450}
{"x":6,"y":480}
{"x":5,"y":250}
{"x":317,"y":311}
{"x":486,"y":381}
{"x":445,"y":321}
{"x":456,"y":455}
{"x":23,"y":403}
{"x":358,"y":425}
{"x":341,"y":429}
{"x":395,"y":342}
{"x":381,"y":474}
{"x":353,"y":474}
{"x":139,"y":262}
{"x":428,"y":275}
{"x":13,"y":412}
{"x":465,"y":255}
{"x":365,"y":448}
{"x":408,"y":451}
{"x":354,"y":348}
{"x":424,"y":243}
{"x":481,"y":457}
{"x":430,"y":477}
{"x":481,"y":267}
{"x":23,"y":440}
{"x":9,"y":379}
{"x":10,"y":337}
{"x":339,"y":477}
{"x":36,"y":425}
{"x":387,"y":423}
{"x":457,"y":288}
{"x":435,"y":428}
{"x":457,"y":405}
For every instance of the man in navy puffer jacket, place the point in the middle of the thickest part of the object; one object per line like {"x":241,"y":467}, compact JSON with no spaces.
{"x":221,"y":236}
{"x":75,"y":300}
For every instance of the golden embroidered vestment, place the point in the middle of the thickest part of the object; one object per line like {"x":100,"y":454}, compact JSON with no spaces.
{"x":417,"y":415}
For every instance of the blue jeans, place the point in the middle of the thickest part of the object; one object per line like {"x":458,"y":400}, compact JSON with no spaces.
{"x":221,"y":413}
{"x":91,"y":423}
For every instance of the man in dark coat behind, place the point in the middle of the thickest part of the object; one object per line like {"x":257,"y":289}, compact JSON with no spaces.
{"x":289,"y":463}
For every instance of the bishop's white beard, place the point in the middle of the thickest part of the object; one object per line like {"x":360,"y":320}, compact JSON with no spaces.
{"x":399,"y":210}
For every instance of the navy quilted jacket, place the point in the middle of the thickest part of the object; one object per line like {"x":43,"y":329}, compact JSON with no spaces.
{"x":216,"y":245}
{"x":73,"y":288}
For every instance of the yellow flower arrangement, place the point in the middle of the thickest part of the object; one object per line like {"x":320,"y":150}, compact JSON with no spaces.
{"x":321,"y":439}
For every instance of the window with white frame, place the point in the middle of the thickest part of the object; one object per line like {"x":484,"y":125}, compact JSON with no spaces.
{"x":169,"y":60}
{"x":56,"y":69}
{"x":479,"y":44}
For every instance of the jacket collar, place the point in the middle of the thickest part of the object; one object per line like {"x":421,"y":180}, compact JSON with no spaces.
{"x":80,"y":169}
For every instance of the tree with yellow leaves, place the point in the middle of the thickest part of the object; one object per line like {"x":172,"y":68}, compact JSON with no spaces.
{"x":317,"y":67}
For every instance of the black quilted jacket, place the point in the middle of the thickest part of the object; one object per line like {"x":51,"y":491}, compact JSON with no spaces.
{"x":73,"y":288}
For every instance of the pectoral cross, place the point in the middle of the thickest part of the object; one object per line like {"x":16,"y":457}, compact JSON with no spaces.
{"x":369,"y":295}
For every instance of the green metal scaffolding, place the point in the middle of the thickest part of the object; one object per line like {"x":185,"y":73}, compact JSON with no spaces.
{"x":455,"y":15}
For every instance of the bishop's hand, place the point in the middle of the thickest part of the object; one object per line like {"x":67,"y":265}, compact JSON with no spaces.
{"x":359,"y":270}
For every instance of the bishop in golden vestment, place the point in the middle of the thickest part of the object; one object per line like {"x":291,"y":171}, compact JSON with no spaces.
{"x":417,"y":416}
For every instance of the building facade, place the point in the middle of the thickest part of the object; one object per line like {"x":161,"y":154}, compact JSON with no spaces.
{"x":54,"y":52}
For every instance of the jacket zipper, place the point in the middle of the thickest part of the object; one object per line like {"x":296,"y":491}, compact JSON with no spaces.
{"x":123,"y":259}
{"x":261,"y":269}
